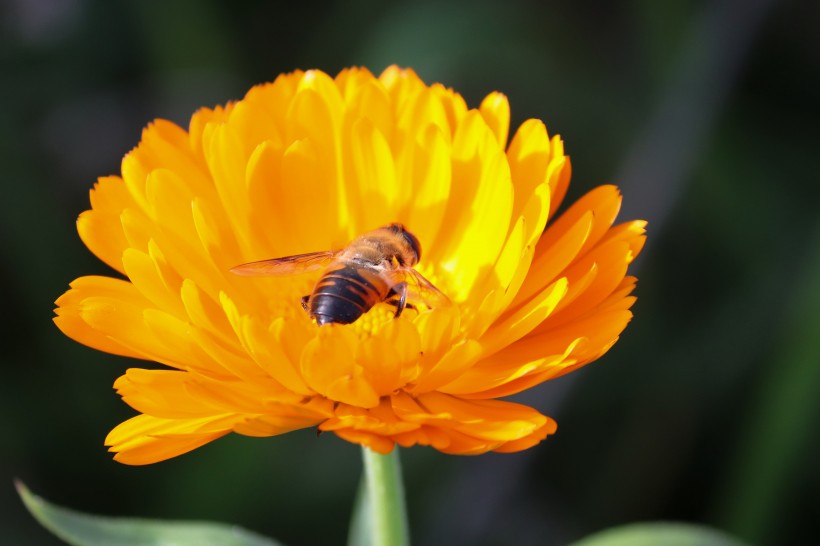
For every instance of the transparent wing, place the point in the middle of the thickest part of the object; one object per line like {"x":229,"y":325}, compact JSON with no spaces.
{"x":419,"y":289}
{"x":288,"y":265}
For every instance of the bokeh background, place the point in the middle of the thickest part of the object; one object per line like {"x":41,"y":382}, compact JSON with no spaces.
{"x":704,"y":112}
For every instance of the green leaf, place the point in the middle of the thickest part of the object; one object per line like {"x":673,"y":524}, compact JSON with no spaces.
{"x":659,"y":534}
{"x":81,"y":529}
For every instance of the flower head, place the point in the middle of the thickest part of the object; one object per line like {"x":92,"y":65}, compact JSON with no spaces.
{"x":308,"y":163}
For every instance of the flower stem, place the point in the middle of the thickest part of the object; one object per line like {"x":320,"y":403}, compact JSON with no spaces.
{"x":385,"y":492}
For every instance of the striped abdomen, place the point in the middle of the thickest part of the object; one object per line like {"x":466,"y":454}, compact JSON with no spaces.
{"x":345,"y":292}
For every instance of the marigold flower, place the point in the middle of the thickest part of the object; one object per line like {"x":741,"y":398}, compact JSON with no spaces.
{"x":307,"y":163}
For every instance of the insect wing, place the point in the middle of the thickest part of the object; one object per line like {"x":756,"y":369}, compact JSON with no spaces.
{"x":419,"y":289}
{"x":288,"y":265}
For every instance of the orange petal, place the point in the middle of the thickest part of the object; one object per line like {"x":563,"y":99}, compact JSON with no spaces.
{"x":144,"y":439}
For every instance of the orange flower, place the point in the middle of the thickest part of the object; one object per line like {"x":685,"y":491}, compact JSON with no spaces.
{"x":308,"y":163}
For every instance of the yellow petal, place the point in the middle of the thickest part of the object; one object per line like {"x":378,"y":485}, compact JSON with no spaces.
{"x":162,"y":393}
{"x":284,"y":420}
{"x":550,"y":261}
{"x":329,"y":368}
{"x":146,"y":273}
{"x":480,"y":177}
{"x":452,"y":364}
{"x":424,"y":162}
{"x":504,"y":373}
{"x":144,"y":439}
{"x":373,"y":172}
{"x":391,"y":356}
{"x":495,"y":109}
{"x":513,"y":327}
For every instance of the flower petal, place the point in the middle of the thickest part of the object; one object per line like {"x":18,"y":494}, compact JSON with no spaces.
{"x":329,"y":368}
{"x":144,"y":439}
{"x":481,"y":177}
{"x":495,"y":109}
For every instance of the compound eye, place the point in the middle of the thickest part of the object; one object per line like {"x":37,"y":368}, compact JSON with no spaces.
{"x":413,"y":242}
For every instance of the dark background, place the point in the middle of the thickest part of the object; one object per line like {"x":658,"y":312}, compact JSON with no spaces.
{"x":706,"y":115}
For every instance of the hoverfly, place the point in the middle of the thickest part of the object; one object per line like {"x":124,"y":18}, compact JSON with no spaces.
{"x":373,"y":268}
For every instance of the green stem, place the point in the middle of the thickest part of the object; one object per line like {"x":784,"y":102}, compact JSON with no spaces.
{"x":386,"y":495}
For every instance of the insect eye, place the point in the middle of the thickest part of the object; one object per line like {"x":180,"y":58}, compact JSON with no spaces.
{"x":415,"y":246}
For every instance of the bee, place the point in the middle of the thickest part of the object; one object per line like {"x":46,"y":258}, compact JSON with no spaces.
{"x":373,"y":268}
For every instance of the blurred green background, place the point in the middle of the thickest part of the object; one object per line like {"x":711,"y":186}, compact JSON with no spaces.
{"x":704,"y":112}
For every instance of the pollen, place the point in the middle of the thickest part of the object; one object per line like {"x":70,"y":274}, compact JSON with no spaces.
{"x":374,"y":319}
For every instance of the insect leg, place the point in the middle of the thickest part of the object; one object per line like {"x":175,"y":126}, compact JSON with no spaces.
{"x":395,"y":303}
{"x":401,"y":291}
{"x":305,"y":303}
